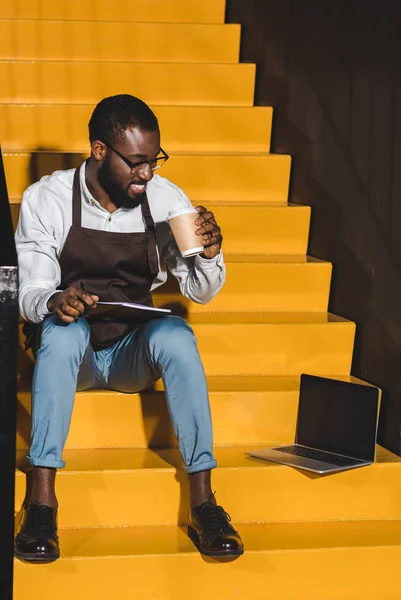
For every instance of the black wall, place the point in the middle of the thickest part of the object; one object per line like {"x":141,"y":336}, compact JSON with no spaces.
{"x":332,"y":72}
{"x":8,"y":387}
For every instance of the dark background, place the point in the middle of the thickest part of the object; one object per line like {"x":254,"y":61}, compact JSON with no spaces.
{"x":331,"y":70}
{"x":8,"y":387}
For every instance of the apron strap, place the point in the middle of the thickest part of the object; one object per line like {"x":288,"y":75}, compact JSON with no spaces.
{"x":153,"y":259}
{"x":76,"y":200}
{"x":146,"y":214}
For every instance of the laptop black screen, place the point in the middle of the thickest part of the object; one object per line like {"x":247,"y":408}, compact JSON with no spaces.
{"x":338,"y":416}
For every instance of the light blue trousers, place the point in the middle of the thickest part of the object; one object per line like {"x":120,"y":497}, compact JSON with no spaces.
{"x":66,"y":362}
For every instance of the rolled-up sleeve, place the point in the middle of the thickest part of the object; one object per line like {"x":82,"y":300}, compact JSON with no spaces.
{"x":39,"y":269}
{"x":200,"y":279}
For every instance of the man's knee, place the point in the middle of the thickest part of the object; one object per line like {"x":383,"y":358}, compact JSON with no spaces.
{"x":63,"y":337}
{"x":172,"y":336}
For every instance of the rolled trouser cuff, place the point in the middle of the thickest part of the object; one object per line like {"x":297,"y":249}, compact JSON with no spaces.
{"x":45,"y":463}
{"x":206,"y":466}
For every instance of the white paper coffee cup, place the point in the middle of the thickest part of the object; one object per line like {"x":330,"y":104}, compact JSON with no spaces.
{"x":182,"y":225}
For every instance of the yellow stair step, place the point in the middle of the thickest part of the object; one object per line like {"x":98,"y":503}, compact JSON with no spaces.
{"x":265,"y":344}
{"x":248,"y":412}
{"x":245,"y":411}
{"x":258,"y":537}
{"x":261,"y":283}
{"x":32,"y":39}
{"x":184,"y":128}
{"x":191,"y":11}
{"x":224,"y":177}
{"x":250,"y":229}
{"x":120,"y":487}
{"x":206,"y":177}
{"x":357,"y":560}
{"x":266,"y":318}
{"x":157,"y":83}
{"x":258,"y":284}
{"x":160,"y":560}
{"x":273,"y":344}
{"x":253,"y":229}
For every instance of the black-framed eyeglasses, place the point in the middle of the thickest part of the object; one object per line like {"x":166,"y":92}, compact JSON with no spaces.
{"x":154,"y":163}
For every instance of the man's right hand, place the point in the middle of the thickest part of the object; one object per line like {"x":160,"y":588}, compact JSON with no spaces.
{"x":71,"y":303}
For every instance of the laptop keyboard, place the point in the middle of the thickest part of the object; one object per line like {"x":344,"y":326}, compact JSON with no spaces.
{"x":327,"y":457}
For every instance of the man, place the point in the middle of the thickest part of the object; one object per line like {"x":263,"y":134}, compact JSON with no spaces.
{"x":99,"y":232}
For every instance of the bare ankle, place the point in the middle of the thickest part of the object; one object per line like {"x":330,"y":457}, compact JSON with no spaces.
{"x":43,"y":486}
{"x":200,"y":487}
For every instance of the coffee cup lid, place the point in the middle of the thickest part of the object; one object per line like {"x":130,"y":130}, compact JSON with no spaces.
{"x":187,"y":210}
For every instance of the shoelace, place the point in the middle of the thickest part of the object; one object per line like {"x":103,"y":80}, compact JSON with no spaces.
{"x":41,"y":520}
{"x":215,"y":519}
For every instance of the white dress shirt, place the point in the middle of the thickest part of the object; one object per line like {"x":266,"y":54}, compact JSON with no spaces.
{"x":46,"y":218}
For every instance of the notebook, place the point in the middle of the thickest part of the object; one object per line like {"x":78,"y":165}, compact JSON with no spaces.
{"x":127,"y":311}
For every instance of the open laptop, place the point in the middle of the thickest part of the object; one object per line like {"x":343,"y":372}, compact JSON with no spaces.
{"x":336,"y":427}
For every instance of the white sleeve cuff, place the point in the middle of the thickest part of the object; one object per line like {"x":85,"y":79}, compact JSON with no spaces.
{"x":41,"y":308}
{"x":209,"y":262}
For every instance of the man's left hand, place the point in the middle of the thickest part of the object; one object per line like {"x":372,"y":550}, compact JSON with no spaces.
{"x":209,"y":231}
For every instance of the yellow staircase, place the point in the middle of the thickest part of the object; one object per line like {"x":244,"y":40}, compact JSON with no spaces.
{"x":123,"y":495}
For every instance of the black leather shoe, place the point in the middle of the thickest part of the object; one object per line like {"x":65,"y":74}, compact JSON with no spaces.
{"x":36,"y":539}
{"x":210,"y":530}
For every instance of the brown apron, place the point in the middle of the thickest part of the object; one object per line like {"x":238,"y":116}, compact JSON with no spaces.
{"x":117,"y":267}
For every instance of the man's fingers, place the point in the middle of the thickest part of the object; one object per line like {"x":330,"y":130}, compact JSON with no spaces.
{"x":72,"y":303}
{"x":83,"y":295}
{"x":213,"y":240}
{"x":207,"y":217}
{"x":90,"y":299}
{"x":208,"y":227}
{"x":204,"y":215}
{"x":71,"y":307}
{"x":63,"y":317}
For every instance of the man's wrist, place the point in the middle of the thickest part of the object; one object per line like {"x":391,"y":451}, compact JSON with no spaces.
{"x":203,"y":257}
{"x":51,"y":301}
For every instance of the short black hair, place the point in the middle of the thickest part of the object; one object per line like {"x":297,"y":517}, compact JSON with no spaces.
{"x":113,"y":115}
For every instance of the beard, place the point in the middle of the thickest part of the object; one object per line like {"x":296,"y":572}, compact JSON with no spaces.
{"x":117,"y":194}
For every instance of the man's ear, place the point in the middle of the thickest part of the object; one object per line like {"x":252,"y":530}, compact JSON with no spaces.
{"x":99,"y":150}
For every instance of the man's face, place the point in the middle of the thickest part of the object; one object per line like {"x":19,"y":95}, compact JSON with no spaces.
{"x":125,"y":187}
